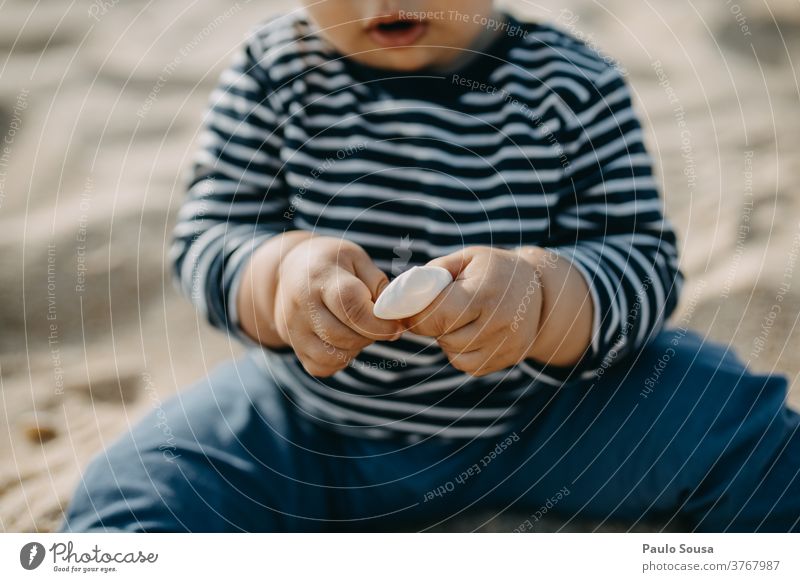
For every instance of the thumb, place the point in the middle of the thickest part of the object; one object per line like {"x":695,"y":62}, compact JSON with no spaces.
{"x":369,"y":273}
{"x":454,"y":262}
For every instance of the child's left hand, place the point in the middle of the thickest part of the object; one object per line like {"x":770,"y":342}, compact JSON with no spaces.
{"x":488,"y":318}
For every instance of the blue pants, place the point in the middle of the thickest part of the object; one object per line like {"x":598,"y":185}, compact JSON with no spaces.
{"x":683,"y":435}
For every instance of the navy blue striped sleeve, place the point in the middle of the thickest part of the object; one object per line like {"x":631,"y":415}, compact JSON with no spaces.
{"x":236,"y":197}
{"x":621,"y":242}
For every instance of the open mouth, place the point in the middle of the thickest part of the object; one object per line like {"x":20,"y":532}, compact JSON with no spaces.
{"x":397,"y":25}
{"x":396,"y":32}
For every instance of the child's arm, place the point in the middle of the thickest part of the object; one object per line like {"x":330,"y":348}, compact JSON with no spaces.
{"x":315,"y":294}
{"x":236,"y":196}
{"x":564,"y":329}
{"x":505,"y":306}
{"x":234,"y":231}
{"x":624,"y":247}
{"x":600,"y":295}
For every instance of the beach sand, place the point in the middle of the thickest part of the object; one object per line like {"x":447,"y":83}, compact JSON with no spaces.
{"x":100,"y":103}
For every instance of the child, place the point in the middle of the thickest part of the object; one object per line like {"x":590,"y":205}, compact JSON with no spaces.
{"x":351,"y":141}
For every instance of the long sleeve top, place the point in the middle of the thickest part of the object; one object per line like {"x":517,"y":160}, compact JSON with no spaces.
{"x":534,"y":141}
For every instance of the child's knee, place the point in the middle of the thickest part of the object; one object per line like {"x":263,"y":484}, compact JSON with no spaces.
{"x":681,"y":369}
{"x":126,"y":488}
{"x":98,"y":497}
{"x":712,"y":410}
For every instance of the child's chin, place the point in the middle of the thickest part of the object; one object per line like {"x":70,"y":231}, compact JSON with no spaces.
{"x":405,"y":60}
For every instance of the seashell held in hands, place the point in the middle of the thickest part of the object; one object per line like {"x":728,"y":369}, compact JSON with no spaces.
{"x":411,"y":292}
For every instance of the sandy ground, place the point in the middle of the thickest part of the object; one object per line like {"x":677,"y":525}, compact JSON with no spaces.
{"x":100,"y":102}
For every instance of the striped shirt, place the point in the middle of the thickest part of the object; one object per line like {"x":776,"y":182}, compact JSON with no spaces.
{"x":532,"y":142}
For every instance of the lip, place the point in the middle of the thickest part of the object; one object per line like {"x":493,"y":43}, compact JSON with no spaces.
{"x":403,"y":37}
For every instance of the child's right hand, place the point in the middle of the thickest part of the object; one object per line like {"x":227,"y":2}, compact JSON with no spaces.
{"x":325,"y":291}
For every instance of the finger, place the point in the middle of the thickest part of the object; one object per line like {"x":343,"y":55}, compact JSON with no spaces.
{"x":320,"y":370}
{"x":470,"y":337}
{"x":304,"y":340}
{"x":454,"y":262}
{"x":329,"y":329}
{"x":477,"y":362}
{"x":467,"y":362}
{"x":326,"y":354}
{"x":350,"y":301}
{"x":369,"y":273}
{"x":320,"y":358}
{"x":452,"y":309}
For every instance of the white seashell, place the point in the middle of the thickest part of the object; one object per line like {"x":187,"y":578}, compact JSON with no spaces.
{"x":411,"y":292}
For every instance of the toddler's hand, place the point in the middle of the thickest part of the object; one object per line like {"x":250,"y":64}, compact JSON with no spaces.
{"x":326,"y":288}
{"x":488,"y":318}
